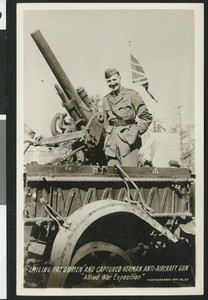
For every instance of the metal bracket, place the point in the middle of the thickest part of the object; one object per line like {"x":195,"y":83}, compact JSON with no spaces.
{"x":54,"y":215}
{"x":98,"y":170}
{"x":123,"y":174}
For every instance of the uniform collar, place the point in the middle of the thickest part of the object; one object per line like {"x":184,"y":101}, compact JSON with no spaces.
{"x":119,"y":97}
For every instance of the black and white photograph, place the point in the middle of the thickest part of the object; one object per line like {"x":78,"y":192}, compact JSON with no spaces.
{"x":109,"y":149}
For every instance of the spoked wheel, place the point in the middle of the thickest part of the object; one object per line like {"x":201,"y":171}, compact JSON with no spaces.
{"x":98,"y":262}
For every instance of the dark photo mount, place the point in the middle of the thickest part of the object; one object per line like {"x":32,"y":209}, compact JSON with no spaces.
{"x":2,"y":72}
{"x":11,"y":160}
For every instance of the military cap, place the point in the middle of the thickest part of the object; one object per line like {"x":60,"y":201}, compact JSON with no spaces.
{"x":174,"y":163}
{"x":110,"y":72}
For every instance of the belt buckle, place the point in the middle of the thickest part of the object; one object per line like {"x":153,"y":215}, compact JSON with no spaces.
{"x":113,"y":122}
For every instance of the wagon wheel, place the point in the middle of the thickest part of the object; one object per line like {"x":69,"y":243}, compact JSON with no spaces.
{"x":94,"y":222}
{"x":93,"y":248}
{"x":96,"y":256}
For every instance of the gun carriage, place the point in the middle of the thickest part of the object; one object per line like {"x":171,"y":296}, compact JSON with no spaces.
{"x":78,"y":211}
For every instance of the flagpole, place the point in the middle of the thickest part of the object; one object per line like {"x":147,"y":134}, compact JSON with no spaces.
{"x":129,"y":48}
{"x":180,"y":127}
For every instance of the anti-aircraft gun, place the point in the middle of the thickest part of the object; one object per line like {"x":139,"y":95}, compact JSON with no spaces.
{"x":80,"y":212}
{"x":84,"y":130}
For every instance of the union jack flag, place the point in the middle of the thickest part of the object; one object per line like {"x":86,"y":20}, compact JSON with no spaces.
{"x":138,"y":75}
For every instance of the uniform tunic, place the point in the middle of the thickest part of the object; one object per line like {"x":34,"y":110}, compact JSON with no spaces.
{"x":127,"y":105}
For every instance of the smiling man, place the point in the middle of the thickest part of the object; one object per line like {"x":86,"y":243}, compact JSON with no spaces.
{"x":126,"y":118}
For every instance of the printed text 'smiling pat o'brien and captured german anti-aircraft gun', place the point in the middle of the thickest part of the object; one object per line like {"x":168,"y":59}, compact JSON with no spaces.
{"x":79,"y":211}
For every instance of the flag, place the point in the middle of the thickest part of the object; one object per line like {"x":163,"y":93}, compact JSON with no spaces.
{"x":138,"y":75}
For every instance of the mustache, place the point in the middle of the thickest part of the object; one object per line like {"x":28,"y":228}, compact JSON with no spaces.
{"x":113,"y":85}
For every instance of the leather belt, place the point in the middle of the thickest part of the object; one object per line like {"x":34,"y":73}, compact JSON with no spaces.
{"x":122,"y":122}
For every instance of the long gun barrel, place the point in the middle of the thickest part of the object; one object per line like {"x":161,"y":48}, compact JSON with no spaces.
{"x":59,"y":73}
{"x":68,"y":104}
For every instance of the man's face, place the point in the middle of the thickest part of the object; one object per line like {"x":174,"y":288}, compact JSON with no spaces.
{"x":114,"y":83}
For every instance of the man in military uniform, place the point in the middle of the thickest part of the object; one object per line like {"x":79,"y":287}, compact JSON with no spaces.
{"x":126,"y":118}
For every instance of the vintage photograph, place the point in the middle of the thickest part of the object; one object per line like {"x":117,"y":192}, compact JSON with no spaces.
{"x":109,"y":149}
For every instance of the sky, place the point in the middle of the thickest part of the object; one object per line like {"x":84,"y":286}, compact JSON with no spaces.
{"x":86,"y":42}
